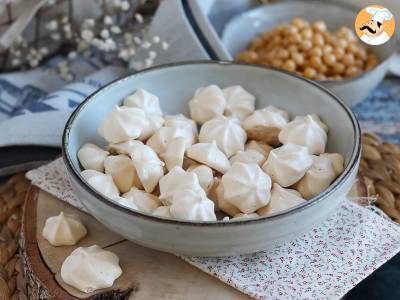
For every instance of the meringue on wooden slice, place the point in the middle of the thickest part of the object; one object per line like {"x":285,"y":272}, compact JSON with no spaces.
{"x":210,"y":155}
{"x":92,"y":157}
{"x":148,"y":166}
{"x":246,"y":187}
{"x":192,"y":206}
{"x":204,"y":175}
{"x":90,"y":268}
{"x":123,"y":172}
{"x":63,"y":230}
{"x":318,"y":178}
{"x":123,"y":124}
{"x":229,"y":136}
{"x":281,"y":199}
{"x":207,"y":103}
{"x":176,"y":180}
{"x":307,"y":131}
{"x":239,"y":102}
{"x":144,"y":100}
{"x":174,"y":153}
{"x":139,"y":200}
{"x":287,"y":164}
{"x":265,"y":124}
{"x":102,"y":183}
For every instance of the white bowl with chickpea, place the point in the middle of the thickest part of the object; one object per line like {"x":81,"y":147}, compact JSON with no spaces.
{"x":313,"y":39}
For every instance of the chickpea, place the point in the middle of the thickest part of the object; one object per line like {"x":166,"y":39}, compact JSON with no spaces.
{"x":338,"y":68}
{"x":307,"y":33}
{"x":352,"y":48}
{"x":289,"y":65}
{"x":293,"y":49}
{"x":318,"y":40}
{"x":329,"y":59}
{"x":295,"y":39}
{"x":320,"y":77}
{"x":291,"y":30}
{"x":298,"y":58}
{"x":342,"y":43}
{"x":348,"y":59}
{"x":277,"y":63}
{"x":247,"y":56}
{"x":306,"y":45}
{"x":282,"y":53}
{"x":352,"y":71}
{"x":310,"y":73}
{"x":316,"y":51}
{"x":361,"y":53}
{"x":338,"y":52}
{"x":359,"y":63}
{"x":319,"y":26}
{"x":327,"y":49}
{"x":322,"y":69}
{"x":299,"y":23}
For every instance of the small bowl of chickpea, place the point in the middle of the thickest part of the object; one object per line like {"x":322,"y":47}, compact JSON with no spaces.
{"x":312,"y":39}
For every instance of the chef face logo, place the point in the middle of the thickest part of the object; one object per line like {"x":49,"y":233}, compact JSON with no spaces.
{"x":375,"y":25}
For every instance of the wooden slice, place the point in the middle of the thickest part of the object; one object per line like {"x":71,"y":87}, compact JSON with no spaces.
{"x":147,"y":274}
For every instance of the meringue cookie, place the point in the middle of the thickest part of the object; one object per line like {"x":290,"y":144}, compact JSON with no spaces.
{"x":217,"y":194}
{"x":92,"y":157}
{"x":207,"y":103}
{"x":144,"y":100}
{"x":239,"y":102}
{"x":281,"y":199}
{"x":162,"y":137}
{"x":227,"y":133}
{"x":210,"y":155}
{"x":155,"y":122}
{"x":188,"y":126}
{"x":124,"y":147}
{"x":102,"y":183}
{"x":317,"y":178}
{"x":163,"y":211}
{"x":265,"y":124}
{"x":192,"y":206}
{"x":248,"y":156}
{"x":63,"y":231}
{"x":123,"y":124}
{"x":204,"y":175}
{"x":305,"y":131}
{"x":175,"y":181}
{"x":90,"y":268}
{"x":337,"y":161}
{"x":246,"y":187}
{"x":123,"y":172}
{"x":241,"y":216}
{"x":148,"y":166}
{"x":287,"y":164}
{"x":261,"y":147}
{"x":139,"y":200}
{"x":174,"y":153}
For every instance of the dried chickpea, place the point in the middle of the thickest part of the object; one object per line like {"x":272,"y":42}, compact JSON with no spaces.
{"x":293,"y":49}
{"x":306,"y":33}
{"x":329,"y":59}
{"x":291,"y":30}
{"x":310,"y":73}
{"x":295,"y":39}
{"x":320,"y":77}
{"x":300,"y":23}
{"x":322,"y":69}
{"x":289,"y":65}
{"x":359,"y":63}
{"x":319,"y":26}
{"x":315,"y":61}
{"x":276,"y":63}
{"x":342,"y":43}
{"x":247,"y":56}
{"x":282,"y":53}
{"x":298,"y":58}
{"x":348,"y":59}
{"x":338,"y":52}
{"x":306,"y":45}
{"x":338,"y":68}
{"x":318,"y":40}
{"x":316,"y":51}
{"x":352,"y":71}
{"x":327,"y":49}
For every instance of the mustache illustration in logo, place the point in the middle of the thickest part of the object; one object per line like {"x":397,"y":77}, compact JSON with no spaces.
{"x":368,"y":28}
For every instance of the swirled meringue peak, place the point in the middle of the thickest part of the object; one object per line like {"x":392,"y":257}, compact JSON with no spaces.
{"x":305,"y":131}
{"x":287,"y":164}
{"x":163,"y":211}
{"x":210,"y":155}
{"x":123,"y":124}
{"x":159,"y":140}
{"x":188,"y":126}
{"x":103,"y":183}
{"x":92,"y":157}
{"x":246,"y":187}
{"x":192,"y":206}
{"x":176,"y":180}
{"x":140,"y":200}
{"x":124,"y":147}
{"x":156,"y":121}
{"x":226,"y":132}
{"x":144,"y":100}
{"x":248,"y":156}
{"x":148,"y":166}
{"x":265,"y":124}
{"x":90,"y":268}
{"x":318,"y":178}
{"x":239,"y":102}
{"x":281,"y":199}
{"x":123,"y":172}
{"x":261,"y":147}
{"x":174,"y":153}
{"x":207,"y":103}
{"x":204,"y":175}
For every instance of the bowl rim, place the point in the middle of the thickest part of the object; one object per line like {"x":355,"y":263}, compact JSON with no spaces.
{"x":347,"y":172}
{"x":391,"y":43}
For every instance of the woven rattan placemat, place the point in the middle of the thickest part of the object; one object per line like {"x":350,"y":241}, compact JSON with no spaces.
{"x":379,"y":177}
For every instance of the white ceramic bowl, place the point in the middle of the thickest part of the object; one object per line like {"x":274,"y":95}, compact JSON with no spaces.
{"x":175,"y":84}
{"x":243,"y":28}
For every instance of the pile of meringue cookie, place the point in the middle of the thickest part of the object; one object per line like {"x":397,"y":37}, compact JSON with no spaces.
{"x":242,"y":163}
